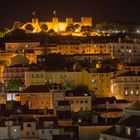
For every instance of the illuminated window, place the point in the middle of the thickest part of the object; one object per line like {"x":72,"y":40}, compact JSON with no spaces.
{"x":93,"y":81}
{"x":130,"y":50}
{"x":138,"y":132}
{"x":128,"y":131}
{"x":126,"y":93}
{"x":137,"y":92}
{"x":131,"y":92}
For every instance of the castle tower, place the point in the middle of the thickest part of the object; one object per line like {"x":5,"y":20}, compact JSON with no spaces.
{"x":35,"y":24}
{"x":55,"y":23}
{"x":69,"y":20}
{"x":34,"y":20}
{"x":86,"y":21}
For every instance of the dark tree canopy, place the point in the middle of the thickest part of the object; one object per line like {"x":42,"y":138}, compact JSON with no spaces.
{"x":72,"y":28}
{"x":44,"y":27}
{"x":29,"y":27}
{"x":14,"y":84}
{"x":56,"y":61}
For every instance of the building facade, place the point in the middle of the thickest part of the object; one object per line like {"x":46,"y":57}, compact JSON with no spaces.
{"x":126,"y":86}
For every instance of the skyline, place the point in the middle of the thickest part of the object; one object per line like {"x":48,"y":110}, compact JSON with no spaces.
{"x":100,"y":10}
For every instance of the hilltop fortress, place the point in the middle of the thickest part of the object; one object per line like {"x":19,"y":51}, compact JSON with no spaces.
{"x":57,"y":25}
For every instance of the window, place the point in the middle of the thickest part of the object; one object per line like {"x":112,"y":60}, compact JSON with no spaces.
{"x":33,"y":133}
{"x":138,"y":132}
{"x":27,"y":133}
{"x":117,"y":129}
{"x":50,"y":131}
{"x":137,"y":92}
{"x":86,"y":101}
{"x":81,"y":102}
{"x":128,"y":131}
{"x":72,"y":102}
{"x":28,"y":125}
{"x":42,"y":131}
{"x":131,"y":92}
{"x":126,"y":93}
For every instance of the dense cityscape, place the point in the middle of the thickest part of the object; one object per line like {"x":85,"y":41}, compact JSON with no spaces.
{"x":70,"y":80}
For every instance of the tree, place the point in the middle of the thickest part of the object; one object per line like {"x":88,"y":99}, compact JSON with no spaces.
{"x":76,"y":26}
{"x":16,"y":34}
{"x":51,"y":32}
{"x":110,"y":26}
{"x":44,"y":27}
{"x":81,"y":89}
{"x":29,"y":27}
{"x":72,"y":28}
{"x":87,"y":30}
{"x":56,"y":61}
{"x":14,"y":84}
{"x":68,"y":85}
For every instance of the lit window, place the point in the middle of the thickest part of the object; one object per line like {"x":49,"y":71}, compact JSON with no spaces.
{"x":93,"y":81}
{"x":129,"y":50}
{"x":128,"y":130}
{"x":131,"y":92}
{"x":138,"y":132}
{"x":137,"y":92}
{"x":126,"y":93}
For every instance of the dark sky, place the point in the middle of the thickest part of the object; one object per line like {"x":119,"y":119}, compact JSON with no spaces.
{"x":100,"y":10}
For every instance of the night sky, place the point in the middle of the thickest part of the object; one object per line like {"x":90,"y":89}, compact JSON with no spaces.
{"x":100,"y":10}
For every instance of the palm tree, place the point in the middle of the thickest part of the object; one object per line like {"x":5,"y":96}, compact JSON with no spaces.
{"x":44,"y":27}
{"x":29,"y":27}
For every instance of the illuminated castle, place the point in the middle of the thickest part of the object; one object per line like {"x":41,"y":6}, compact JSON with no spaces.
{"x":57,"y":25}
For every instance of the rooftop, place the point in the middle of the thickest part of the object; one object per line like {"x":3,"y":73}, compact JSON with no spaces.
{"x":77,"y":93}
{"x":63,"y":103}
{"x":42,"y":88}
{"x":130,"y":73}
{"x":134,"y":107}
{"x":132,"y":121}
